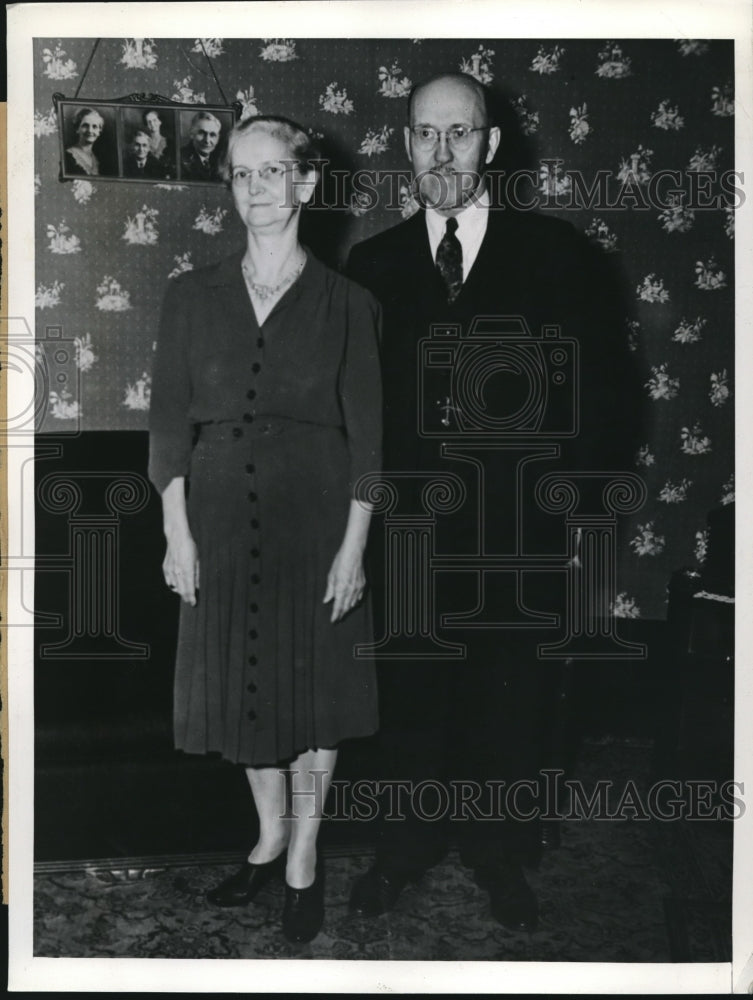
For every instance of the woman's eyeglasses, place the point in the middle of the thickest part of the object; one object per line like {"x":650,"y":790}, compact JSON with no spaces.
{"x":426,"y":137}
{"x":269,"y":172}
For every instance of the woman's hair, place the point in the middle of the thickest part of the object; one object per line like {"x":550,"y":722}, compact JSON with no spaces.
{"x":301,"y":146}
{"x":82,"y":113}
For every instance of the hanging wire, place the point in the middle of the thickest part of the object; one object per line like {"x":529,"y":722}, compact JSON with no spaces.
{"x":86,"y":70}
{"x":203,"y":71}
{"x":211,"y":66}
{"x":203,"y":49}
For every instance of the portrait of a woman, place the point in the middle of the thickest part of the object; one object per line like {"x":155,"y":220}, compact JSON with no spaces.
{"x":265,"y":412}
{"x":160,"y":146}
{"x":81,"y":158}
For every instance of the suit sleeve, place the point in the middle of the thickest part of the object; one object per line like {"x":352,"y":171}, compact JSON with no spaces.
{"x":361,"y":384}
{"x":170,"y":430}
{"x":611,"y":402}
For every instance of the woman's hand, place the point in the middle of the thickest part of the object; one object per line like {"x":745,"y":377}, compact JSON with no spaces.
{"x":181,"y":565}
{"x":346,"y":581}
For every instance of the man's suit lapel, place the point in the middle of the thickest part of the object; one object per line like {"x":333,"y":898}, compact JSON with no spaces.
{"x":414,"y":250}
{"x":494,"y":272}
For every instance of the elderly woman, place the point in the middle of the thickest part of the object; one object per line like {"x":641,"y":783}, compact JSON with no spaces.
{"x":266,"y":400}
{"x":81,"y":158}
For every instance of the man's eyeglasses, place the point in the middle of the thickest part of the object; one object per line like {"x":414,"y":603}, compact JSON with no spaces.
{"x":269,"y":172}
{"x":426,"y":137}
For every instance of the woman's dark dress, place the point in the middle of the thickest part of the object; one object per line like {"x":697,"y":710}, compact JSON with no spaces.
{"x":288,"y":418}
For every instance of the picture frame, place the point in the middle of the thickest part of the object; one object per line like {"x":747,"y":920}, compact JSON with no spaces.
{"x":143,"y":138}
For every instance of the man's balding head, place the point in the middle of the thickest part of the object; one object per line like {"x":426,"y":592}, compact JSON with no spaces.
{"x":454,"y":81}
{"x":449,"y":140}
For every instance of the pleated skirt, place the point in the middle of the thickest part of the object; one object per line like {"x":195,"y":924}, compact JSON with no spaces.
{"x":261,"y":673}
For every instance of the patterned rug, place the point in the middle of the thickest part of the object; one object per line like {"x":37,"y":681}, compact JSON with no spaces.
{"x":617,"y":891}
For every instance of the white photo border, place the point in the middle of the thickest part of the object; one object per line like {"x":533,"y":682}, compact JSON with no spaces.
{"x":514,"y":19}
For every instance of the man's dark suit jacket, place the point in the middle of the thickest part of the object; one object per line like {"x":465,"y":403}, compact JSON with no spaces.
{"x":153,"y":170}
{"x":529,"y":265}
{"x":541,"y":269}
{"x":192,"y":169}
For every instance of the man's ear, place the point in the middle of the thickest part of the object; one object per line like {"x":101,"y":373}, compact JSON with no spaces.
{"x":493,"y":143}
{"x":406,"y":136}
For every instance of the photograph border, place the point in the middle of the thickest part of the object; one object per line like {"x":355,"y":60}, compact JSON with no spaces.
{"x":731,"y":19}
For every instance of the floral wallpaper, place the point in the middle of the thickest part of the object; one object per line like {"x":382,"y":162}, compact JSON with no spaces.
{"x":630,"y":109}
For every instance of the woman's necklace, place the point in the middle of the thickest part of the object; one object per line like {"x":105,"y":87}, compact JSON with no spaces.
{"x":265,"y":292}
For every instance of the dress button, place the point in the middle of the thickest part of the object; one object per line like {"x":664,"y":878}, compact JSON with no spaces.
{"x":251,"y":715}
{"x":255,"y":578}
{"x":260,"y":342}
{"x":251,"y":394}
{"x":253,"y":661}
{"x":253,"y":634}
{"x":253,"y":607}
{"x":248,"y":418}
{"x":255,"y":553}
{"x":250,"y":468}
{"x":254,"y":523}
{"x":256,"y":367}
{"x":252,"y":496}
{"x":237,"y":432}
{"x":251,"y":688}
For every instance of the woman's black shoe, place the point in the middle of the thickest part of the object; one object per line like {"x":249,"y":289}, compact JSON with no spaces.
{"x":303,"y":915}
{"x":240,"y":888}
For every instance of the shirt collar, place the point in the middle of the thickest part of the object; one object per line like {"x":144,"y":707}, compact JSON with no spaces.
{"x":473,"y":218}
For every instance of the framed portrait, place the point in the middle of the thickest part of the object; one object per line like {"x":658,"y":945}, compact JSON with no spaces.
{"x":142,"y":137}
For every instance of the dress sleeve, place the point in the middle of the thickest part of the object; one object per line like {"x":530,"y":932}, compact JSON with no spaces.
{"x":361,"y":384}
{"x":170,"y":430}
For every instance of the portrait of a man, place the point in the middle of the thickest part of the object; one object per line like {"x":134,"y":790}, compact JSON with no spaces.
{"x":139,"y":163}
{"x":200,"y":154}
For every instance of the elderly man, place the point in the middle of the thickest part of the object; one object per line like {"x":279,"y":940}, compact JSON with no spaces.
{"x":473,"y":723}
{"x":139,"y":162}
{"x":200,"y":156}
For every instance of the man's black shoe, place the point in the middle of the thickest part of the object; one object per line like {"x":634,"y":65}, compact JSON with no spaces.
{"x":376,"y":892}
{"x":513,"y":903}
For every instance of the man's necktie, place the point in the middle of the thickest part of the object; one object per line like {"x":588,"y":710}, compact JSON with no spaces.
{"x":450,"y":260}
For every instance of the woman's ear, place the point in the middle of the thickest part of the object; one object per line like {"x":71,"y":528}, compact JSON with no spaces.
{"x":305,"y":185}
